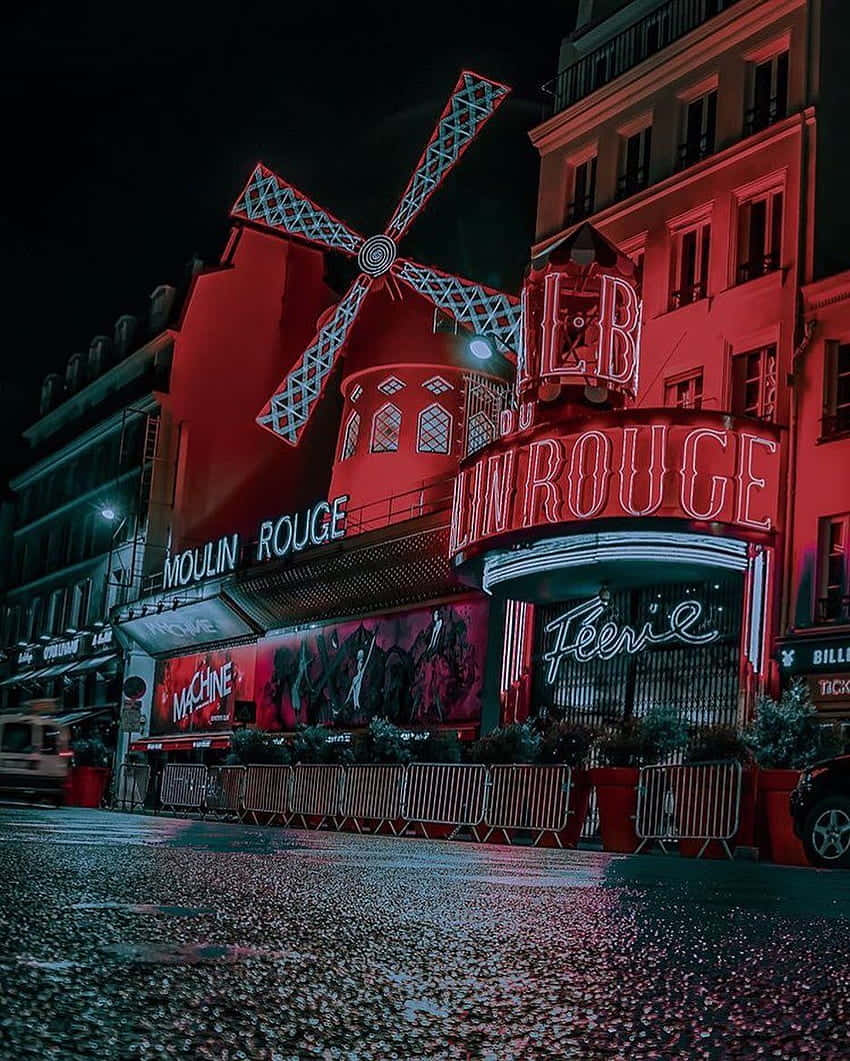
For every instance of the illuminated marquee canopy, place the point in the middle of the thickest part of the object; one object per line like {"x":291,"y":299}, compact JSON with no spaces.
{"x":667,"y":464}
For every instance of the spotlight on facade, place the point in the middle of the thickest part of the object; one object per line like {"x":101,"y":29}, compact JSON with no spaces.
{"x":481,"y":347}
{"x":108,"y":512}
{"x":604,"y":593}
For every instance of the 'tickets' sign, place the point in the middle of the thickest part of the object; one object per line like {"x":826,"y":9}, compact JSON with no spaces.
{"x":198,"y":692}
{"x":700,"y":470}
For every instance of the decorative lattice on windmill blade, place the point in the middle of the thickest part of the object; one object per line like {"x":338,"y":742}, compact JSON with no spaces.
{"x":269,"y":201}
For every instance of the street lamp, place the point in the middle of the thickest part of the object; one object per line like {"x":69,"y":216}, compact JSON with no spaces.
{"x":110,"y":514}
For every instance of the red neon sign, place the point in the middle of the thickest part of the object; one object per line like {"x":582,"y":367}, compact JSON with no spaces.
{"x":668,"y":465}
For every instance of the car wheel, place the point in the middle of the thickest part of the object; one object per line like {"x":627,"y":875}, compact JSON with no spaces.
{"x":826,"y":835}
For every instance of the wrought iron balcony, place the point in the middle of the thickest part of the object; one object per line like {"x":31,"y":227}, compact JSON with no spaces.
{"x":686,"y":295}
{"x":637,"y":42}
{"x":833,"y":609}
{"x":758,"y":267}
{"x":632,"y":182}
{"x":580,"y":209}
{"x":693,"y":151}
{"x":764,"y":115}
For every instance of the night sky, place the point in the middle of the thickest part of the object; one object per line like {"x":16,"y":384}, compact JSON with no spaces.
{"x":130,"y":130}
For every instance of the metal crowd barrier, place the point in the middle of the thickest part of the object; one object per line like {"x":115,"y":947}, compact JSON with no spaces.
{"x":532,"y":798}
{"x":267,"y":792}
{"x":315,"y":793}
{"x":695,"y":802}
{"x":224,"y":790}
{"x":445,"y":794}
{"x":183,"y":786}
{"x":372,"y":793}
{"x":131,"y":787}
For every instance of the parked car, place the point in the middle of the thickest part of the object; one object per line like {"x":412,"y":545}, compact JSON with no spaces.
{"x":35,"y":756}
{"x":820,"y":808}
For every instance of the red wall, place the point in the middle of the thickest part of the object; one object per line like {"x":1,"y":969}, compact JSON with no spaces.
{"x":245,"y":323}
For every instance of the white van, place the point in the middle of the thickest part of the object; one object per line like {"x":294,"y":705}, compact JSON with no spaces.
{"x":35,"y":756}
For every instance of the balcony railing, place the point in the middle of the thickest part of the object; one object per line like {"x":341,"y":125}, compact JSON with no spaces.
{"x":693,"y":151}
{"x":580,"y":209}
{"x":767,"y":114}
{"x":758,"y":267}
{"x":833,"y":610}
{"x":633,"y":182}
{"x":686,"y":295}
{"x":637,"y":42}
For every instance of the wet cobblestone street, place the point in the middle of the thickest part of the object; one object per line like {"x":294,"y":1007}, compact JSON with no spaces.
{"x":136,"y":937}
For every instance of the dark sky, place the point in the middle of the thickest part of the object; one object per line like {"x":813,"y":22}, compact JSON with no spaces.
{"x":130,"y":129}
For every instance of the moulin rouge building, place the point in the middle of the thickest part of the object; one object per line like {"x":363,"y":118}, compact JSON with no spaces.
{"x":638,"y":496}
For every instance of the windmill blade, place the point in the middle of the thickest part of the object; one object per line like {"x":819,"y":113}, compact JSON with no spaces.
{"x":472,"y":103}
{"x":485,"y":311}
{"x":270,"y":201}
{"x":289,"y":408}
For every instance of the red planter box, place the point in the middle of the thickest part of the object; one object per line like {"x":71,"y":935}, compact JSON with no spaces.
{"x":775,"y":787}
{"x":616,"y":797}
{"x":580,"y":788}
{"x":85,"y":786}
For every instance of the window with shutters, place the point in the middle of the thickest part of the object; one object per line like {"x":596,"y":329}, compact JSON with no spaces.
{"x":386,"y":427}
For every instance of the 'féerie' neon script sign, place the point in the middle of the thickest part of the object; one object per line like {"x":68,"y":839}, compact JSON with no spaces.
{"x":579,"y":635}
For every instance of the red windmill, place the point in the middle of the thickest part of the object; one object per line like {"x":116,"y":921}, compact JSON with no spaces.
{"x":271,"y":202}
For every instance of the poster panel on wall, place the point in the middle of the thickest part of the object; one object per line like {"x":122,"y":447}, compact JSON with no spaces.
{"x":198,"y":692}
{"x":421,"y":667}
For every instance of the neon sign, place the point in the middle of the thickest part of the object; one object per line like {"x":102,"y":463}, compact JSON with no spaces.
{"x":694,"y":467}
{"x":323,"y":522}
{"x":192,"y":565}
{"x":579,"y":635}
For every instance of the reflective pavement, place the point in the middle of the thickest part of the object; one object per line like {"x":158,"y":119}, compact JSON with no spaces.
{"x":137,"y":937}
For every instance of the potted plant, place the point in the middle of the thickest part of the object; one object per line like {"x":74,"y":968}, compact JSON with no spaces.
{"x":258,"y":747}
{"x":517,"y":743}
{"x":619,"y":753}
{"x":89,"y":773}
{"x":786,"y":737}
{"x":570,"y":743}
{"x":654,"y":738}
{"x":717,"y":744}
{"x":383,"y":743}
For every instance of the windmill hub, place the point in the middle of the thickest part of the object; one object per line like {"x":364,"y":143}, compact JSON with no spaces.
{"x":377,"y":255}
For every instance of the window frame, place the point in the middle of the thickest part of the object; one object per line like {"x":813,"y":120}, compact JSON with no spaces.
{"x":835,"y":421}
{"x":386,"y":407}
{"x":449,"y":425}
{"x":773,"y":238}
{"x":766,"y":403}
{"x":836,"y":607}
{"x":693,"y":376}
{"x":348,"y":448}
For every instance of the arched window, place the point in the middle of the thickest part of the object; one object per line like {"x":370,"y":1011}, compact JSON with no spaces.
{"x":386,"y":425}
{"x":479,"y":432}
{"x":350,"y":436}
{"x":435,"y":430}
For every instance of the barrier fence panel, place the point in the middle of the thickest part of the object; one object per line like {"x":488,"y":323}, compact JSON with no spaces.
{"x":224,"y":789}
{"x":316,"y":791}
{"x":445,"y":794}
{"x":700,"y":802}
{"x":372,"y":793}
{"x":183,"y":786}
{"x":131,"y":788}
{"x":266,"y":792}
{"x":534,"y":798}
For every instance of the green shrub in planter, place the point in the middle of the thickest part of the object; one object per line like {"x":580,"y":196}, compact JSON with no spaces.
{"x":566,"y":742}
{"x":91,"y":752}
{"x":383,"y":743}
{"x":257,"y":746}
{"x":516,"y":743}
{"x":664,"y":732}
{"x":718,"y":743}
{"x":787,"y":735}
{"x":315,"y":744}
{"x":622,"y":746}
